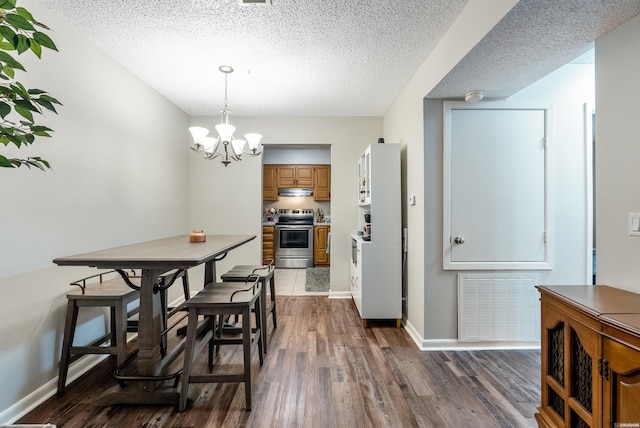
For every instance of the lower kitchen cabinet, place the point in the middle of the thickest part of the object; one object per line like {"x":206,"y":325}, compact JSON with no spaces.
{"x":590,"y":357}
{"x":321,"y":257}
{"x":268,"y":244}
{"x":375,"y":280}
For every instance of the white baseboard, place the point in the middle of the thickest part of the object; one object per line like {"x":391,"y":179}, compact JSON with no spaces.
{"x":339,"y":294}
{"x":456,"y":345}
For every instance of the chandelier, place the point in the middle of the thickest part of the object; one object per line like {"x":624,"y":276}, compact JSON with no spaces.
{"x":225,"y":145}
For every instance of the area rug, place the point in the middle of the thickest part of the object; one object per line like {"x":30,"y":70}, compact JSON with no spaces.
{"x":317,"y":279}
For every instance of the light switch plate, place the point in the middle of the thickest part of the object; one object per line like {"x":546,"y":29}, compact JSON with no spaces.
{"x":634,"y":224}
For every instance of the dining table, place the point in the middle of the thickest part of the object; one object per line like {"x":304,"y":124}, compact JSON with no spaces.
{"x":149,"y":385}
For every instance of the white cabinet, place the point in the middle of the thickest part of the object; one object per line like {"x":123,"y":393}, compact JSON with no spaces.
{"x":376,"y":264}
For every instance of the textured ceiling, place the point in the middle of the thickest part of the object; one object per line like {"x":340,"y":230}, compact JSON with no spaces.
{"x":535,"y":38}
{"x":296,"y":57}
{"x":327,"y":58}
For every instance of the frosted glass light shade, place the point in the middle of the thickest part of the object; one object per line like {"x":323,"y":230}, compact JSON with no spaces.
{"x":225,"y":131}
{"x":253,"y":140}
{"x":209,"y":144}
{"x":198,"y":133}
{"x":237,"y":146}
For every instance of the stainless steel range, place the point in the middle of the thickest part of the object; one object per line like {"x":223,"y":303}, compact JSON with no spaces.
{"x":294,"y":238}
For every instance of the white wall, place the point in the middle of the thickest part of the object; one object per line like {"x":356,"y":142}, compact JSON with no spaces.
{"x":617,"y":152}
{"x":320,"y":156}
{"x":119,"y":176}
{"x":230,"y":199}
{"x":404,"y":124}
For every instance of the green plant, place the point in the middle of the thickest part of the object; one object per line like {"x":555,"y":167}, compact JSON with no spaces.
{"x":18,"y":34}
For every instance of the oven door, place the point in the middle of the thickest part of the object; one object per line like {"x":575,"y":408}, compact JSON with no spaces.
{"x":294,"y":246}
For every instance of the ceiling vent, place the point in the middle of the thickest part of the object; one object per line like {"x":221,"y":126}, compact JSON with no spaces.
{"x":255,"y":2}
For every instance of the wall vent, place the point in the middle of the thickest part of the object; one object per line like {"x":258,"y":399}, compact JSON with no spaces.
{"x":498,"y":307}
{"x":255,"y":2}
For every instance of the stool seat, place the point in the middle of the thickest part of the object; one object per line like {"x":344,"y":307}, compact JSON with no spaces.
{"x":267,"y":278}
{"x":217,"y":301}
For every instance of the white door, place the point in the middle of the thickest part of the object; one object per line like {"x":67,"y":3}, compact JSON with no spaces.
{"x":496,"y":187}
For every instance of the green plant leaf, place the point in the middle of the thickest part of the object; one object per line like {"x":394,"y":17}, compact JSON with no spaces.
{"x":4,"y":162}
{"x":28,"y":104}
{"x":8,"y":71}
{"x":8,"y":34}
{"x":24,"y":13}
{"x":20,"y":90}
{"x":17,"y":21}
{"x":41,"y":25}
{"x":6,"y":46}
{"x":44,"y":40}
{"x":41,"y":131}
{"x":24,"y":112}
{"x":50,"y":99}
{"x":23,"y":43}
{"x":46,"y":104}
{"x":8,"y":60}
{"x":7,"y":4}
{"x":5,"y":109}
{"x":36,"y":48}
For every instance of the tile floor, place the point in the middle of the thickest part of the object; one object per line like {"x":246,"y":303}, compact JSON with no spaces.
{"x":290,"y":282}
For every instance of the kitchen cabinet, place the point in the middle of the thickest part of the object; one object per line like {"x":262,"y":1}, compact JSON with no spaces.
{"x":295,"y":175}
{"x":320,"y":244}
{"x":269,"y":183}
{"x":376,"y":263}
{"x":322,"y":183}
{"x":375,"y":282}
{"x":317,"y":177}
{"x":590,"y":357}
{"x":268,"y":244}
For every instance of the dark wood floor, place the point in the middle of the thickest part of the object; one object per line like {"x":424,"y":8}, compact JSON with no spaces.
{"x":323,"y":369}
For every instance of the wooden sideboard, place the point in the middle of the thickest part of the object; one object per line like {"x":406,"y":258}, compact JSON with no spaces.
{"x":590,"y":357}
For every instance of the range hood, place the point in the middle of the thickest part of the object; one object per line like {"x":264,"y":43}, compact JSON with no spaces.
{"x":295,"y":191}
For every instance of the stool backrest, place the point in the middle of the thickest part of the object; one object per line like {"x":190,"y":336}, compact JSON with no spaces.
{"x":82,"y":282}
{"x":252,"y":284}
{"x":268,"y":267}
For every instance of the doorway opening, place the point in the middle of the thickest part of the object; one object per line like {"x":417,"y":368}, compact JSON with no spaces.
{"x":296,"y":216}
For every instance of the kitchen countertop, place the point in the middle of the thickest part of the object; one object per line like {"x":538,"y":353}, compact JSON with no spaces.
{"x":268,"y":223}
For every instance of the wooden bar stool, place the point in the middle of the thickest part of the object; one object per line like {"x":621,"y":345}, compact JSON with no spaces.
{"x":218,"y":302}
{"x":111,"y":293}
{"x":267,"y":279}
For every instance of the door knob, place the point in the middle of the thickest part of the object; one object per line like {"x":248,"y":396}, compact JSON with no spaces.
{"x":458,"y":240}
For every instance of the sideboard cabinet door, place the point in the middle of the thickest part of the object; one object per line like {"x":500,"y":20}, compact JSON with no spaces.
{"x":621,"y":372}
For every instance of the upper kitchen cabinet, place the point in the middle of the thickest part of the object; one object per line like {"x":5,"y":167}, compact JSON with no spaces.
{"x":269,"y":183}
{"x":295,"y":175}
{"x":322,"y":183}
{"x":316,"y":177}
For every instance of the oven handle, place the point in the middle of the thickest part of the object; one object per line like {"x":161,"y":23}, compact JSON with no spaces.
{"x":287,"y":226}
